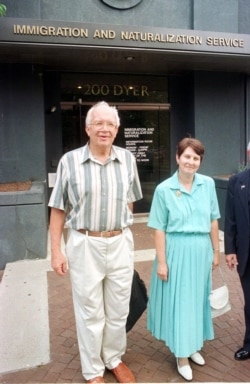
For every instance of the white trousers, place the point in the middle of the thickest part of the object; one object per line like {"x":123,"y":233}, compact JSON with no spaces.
{"x":101,"y":271}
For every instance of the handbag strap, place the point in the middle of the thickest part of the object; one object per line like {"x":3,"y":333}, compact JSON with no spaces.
{"x":221,"y":274}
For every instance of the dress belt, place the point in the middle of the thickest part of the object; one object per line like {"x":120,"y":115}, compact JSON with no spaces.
{"x":101,"y":234}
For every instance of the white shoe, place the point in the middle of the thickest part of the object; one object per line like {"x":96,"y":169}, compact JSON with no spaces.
{"x":185,"y":371}
{"x":197,"y":358}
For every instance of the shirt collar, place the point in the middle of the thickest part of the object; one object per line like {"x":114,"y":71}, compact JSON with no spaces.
{"x":86,"y":155}
{"x":115,"y":154}
{"x":174,"y":182}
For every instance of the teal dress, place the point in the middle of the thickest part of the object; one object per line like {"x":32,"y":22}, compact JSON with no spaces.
{"x":178,"y":309}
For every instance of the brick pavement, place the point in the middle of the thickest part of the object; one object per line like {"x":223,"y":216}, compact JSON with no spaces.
{"x":149,"y":359}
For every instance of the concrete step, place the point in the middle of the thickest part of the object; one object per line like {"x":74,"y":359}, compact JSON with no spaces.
{"x":24,"y":321}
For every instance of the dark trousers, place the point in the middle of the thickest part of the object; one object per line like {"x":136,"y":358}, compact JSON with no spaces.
{"x":245,"y":283}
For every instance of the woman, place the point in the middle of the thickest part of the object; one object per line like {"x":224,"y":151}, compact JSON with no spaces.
{"x":184,"y":215}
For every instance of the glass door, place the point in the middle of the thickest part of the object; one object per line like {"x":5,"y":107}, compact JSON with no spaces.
{"x":145,"y":132}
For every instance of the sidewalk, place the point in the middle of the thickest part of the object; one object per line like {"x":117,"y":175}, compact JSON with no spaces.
{"x":149,"y":359}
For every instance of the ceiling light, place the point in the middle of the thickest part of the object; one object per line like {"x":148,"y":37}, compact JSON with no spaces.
{"x":129,"y":58}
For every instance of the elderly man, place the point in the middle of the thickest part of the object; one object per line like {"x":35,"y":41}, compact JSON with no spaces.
{"x":93,"y":197}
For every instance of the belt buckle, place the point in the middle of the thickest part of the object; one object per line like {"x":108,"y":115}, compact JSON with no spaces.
{"x":105,"y":234}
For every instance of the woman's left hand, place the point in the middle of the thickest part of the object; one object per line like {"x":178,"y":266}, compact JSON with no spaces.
{"x":162,"y":271}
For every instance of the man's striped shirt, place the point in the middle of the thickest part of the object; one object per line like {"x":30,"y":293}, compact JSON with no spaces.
{"x":95,"y":196}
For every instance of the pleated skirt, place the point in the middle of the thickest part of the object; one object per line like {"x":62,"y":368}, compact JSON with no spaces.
{"x":178,"y":309}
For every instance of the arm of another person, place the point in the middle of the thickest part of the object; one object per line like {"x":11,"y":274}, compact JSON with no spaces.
{"x":230,"y":227}
{"x":160,"y":246}
{"x":58,"y":260}
{"x":214,"y":235}
{"x":231,"y":260}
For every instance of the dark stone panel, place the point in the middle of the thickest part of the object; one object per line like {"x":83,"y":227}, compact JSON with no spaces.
{"x":23,"y":225}
{"x":214,"y":15}
{"x":163,"y":13}
{"x":22,"y":148}
{"x":244,"y":17}
{"x":220,"y":121}
{"x":23,"y":8}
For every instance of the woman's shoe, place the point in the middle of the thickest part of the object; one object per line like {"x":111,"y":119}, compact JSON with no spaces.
{"x":185,"y":371}
{"x":197,"y":358}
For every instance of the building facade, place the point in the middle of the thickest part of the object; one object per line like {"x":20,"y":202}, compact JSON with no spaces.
{"x":172,"y":67}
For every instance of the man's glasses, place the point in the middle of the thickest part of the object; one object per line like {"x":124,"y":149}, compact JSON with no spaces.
{"x":101,"y":124}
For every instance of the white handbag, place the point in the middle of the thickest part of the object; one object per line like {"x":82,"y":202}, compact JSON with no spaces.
{"x":219,"y":299}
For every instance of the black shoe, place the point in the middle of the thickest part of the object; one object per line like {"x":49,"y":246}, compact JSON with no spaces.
{"x":242,"y":354}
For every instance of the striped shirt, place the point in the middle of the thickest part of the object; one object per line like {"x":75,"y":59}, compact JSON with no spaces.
{"x":95,"y":196}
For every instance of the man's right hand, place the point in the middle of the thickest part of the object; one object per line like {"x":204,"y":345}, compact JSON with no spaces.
{"x":59,"y":263}
{"x":58,"y":260}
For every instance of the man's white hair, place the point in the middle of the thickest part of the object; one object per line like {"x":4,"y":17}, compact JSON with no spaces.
{"x":88,"y":119}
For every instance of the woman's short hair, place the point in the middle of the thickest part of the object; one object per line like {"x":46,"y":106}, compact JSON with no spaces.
{"x":195,"y":144}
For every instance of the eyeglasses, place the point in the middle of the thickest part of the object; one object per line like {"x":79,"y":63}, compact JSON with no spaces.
{"x":101,"y":124}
